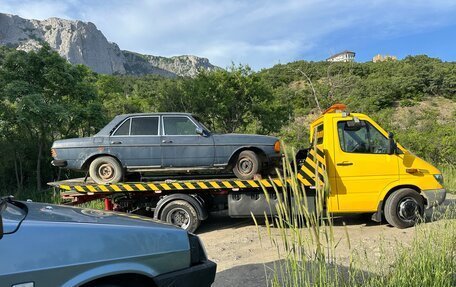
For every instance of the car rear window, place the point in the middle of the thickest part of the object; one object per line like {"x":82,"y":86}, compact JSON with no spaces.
{"x":144,"y":126}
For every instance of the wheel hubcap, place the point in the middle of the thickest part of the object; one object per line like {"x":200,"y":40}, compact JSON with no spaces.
{"x":245,"y":165}
{"x":179,"y":217}
{"x":408,"y":209}
{"x":106,"y":171}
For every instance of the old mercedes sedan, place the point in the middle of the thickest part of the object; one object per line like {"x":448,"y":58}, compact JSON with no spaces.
{"x":165,"y":142}
{"x":44,"y":245}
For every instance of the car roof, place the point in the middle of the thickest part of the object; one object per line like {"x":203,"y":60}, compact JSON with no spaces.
{"x":106,"y":131}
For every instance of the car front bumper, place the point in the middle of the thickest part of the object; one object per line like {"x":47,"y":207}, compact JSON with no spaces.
{"x":434,"y":197}
{"x":59,"y":163}
{"x":202,"y":275}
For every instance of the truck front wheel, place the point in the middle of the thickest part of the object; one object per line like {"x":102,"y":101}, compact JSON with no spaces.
{"x":404,"y":208}
{"x":182,"y":214}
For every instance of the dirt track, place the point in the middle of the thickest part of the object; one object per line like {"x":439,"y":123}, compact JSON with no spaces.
{"x":235,"y":246}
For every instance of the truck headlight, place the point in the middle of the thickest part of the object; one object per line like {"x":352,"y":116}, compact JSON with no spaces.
{"x":197,"y":252}
{"x":439,"y":178}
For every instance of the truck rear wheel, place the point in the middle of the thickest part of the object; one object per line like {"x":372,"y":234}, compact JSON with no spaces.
{"x":247,"y":165}
{"x":182,"y":214}
{"x":404,"y":208}
{"x":105,"y":169}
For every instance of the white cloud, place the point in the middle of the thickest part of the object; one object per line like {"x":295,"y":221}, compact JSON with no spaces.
{"x":255,"y":32}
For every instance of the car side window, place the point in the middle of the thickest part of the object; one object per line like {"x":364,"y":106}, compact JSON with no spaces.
{"x":124,"y":129}
{"x":178,"y":126}
{"x":363,"y":138}
{"x":144,"y":126}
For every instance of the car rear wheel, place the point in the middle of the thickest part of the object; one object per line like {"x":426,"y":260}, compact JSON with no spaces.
{"x":404,"y":208}
{"x":105,"y":169}
{"x":182,"y":214}
{"x":247,"y":165}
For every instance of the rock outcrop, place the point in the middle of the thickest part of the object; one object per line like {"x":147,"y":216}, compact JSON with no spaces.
{"x":82,"y":43}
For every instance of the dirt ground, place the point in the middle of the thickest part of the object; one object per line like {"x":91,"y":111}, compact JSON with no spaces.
{"x":241,"y":259}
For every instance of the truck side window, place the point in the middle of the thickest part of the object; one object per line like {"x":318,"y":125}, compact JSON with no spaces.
{"x":362,"y":138}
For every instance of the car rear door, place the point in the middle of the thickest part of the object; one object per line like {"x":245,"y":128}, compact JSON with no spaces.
{"x":182,"y":146}
{"x":136,"y":142}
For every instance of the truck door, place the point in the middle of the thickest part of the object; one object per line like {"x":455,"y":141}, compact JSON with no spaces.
{"x":362,"y":165}
{"x":182,"y":146}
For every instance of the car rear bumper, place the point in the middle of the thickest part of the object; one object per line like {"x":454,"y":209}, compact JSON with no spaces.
{"x":434,"y":197}
{"x":202,"y":275}
{"x":59,"y":163}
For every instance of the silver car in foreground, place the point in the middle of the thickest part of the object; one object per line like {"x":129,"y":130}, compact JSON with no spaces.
{"x":50,"y":245}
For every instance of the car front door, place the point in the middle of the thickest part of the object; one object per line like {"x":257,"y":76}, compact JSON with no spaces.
{"x":182,"y":146}
{"x":362,"y":164}
{"x":136,"y":142}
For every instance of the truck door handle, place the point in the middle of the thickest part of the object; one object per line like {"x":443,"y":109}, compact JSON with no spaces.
{"x":116,"y":142}
{"x":167,"y":141}
{"x":344,"y":163}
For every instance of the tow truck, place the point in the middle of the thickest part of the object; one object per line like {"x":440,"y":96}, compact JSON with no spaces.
{"x":365,"y":169}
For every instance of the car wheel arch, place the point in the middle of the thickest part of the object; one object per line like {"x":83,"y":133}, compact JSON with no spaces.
{"x":121,"y":280}
{"x":119,"y":270}
{"x":88,"y":161}
{"x":236,"y":153}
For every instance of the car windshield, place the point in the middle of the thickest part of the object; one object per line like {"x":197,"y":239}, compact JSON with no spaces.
{"x":201,"y":123}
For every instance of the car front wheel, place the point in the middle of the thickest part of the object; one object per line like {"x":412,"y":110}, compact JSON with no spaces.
{"x":247,"y":165}
{"x":105,"y":170}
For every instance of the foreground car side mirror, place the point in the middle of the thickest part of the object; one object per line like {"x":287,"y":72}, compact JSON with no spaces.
{"x":3,"y":204}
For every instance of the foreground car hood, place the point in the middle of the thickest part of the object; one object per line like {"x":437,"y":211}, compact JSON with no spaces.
{"x":58,"y":238}
{"x":244,"y":139}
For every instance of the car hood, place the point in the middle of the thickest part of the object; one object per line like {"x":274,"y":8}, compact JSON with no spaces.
{"x":52,"y":212}
{"x":244,"y":139}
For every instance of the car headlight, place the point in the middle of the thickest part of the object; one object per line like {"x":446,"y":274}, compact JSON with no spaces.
{"x":439,"y":178}
{"x":197,"y":252}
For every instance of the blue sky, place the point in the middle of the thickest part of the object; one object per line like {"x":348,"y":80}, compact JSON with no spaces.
{"x":262,"y":33}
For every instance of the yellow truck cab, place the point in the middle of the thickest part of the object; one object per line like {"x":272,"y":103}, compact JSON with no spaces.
{"x":369,"y":173}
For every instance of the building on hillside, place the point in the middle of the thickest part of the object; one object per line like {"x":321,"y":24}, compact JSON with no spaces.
{"x":381,"y":58}
{"x":345,"y":56}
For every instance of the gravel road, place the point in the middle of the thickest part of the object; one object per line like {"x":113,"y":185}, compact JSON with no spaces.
{"x":242,"y":260}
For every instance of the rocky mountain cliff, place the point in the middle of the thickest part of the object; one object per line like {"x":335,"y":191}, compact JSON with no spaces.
{"x":82,"y":43}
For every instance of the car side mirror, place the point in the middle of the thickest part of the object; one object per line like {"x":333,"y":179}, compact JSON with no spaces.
{"x":200,"y":131}
{"x":392,"y":146}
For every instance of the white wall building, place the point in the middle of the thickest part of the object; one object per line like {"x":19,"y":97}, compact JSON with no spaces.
{"x":345,"y":56}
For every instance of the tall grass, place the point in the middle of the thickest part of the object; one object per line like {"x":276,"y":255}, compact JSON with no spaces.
{"x":307,"y":248}
{"x":449,"y":177}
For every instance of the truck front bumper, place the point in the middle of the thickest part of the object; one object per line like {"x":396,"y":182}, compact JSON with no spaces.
{"x":434,"y":197}
{"x":202,"y":275}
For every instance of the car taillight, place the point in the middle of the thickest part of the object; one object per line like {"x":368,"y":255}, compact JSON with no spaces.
{"x":53,"y":153}
{"x":277,"y":146}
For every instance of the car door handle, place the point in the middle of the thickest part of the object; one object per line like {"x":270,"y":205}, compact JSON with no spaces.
{"x":344,"y":163}
{"x":167,"y":141}
{"x":114,"y":142}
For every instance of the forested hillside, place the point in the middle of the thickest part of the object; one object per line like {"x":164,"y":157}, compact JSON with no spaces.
{"x":43,"y":98}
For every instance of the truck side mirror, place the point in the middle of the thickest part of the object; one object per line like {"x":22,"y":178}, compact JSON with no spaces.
{"x":391,"y":144}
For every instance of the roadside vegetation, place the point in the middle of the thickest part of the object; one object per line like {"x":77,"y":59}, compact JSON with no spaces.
{"x":308,"y":256}
{"x":43,"y":98}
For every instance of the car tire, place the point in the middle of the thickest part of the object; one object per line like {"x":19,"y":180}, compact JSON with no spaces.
{"x":105,"y":169}
{"x":404,"y":208}
{"x":247,"y":165}
{"x":181,"y":214}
